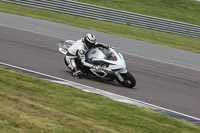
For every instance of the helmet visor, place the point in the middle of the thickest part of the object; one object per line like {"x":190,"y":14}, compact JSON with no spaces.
{"x":89,"y":44}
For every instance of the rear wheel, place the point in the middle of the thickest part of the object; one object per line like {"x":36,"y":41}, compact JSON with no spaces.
{"x":129,"y":80}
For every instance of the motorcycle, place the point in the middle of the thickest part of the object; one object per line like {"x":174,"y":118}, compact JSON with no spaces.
{"x":111,"y":62}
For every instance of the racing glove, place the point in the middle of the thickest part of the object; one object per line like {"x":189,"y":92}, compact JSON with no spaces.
{"x":111,"y":47}
{"x":96,"y":67}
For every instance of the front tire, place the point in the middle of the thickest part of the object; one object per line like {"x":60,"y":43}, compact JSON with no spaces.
{"x":129,"y":80}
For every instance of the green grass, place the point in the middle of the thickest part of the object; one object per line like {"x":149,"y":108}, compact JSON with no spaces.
{"x":162,"y":38}
{"x":30,"y":104}
{"x":179,"y":10}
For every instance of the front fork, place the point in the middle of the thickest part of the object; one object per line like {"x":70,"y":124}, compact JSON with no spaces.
{"x":118,"y":74}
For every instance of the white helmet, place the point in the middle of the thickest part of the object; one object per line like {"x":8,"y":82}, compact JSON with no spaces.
{"x":89,"y":40}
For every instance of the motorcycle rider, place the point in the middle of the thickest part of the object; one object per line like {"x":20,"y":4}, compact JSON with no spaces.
{"x":78,"y":50}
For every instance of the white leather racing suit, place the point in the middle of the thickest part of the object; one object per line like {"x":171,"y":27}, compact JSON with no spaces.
{"x":78,"y":50}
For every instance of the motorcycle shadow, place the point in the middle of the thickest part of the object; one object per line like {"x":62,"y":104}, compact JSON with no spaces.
{"x":109,"y":82}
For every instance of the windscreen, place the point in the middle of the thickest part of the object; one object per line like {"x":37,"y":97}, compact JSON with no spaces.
{"x":109,"y":55}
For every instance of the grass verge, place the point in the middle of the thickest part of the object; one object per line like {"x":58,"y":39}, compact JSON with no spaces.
{"x":162,"y":38}
{"x":30,"y":104}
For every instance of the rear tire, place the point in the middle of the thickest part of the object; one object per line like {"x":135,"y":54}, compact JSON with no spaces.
{"x":129,"y":80}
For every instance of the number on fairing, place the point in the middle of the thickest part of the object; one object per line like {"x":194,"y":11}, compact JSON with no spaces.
{"x":63,"y":51}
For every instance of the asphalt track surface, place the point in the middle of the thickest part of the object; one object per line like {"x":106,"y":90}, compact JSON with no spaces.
{"x":169,"y":86}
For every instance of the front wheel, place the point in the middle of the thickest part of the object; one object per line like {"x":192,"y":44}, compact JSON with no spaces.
{"x":129,"y":80}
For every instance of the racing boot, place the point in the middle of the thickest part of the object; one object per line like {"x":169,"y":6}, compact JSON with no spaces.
{"x":77,"y":73}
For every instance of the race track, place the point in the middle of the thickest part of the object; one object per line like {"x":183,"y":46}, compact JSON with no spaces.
{"x":169,"y":86}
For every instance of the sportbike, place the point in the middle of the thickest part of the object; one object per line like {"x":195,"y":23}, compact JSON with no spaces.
{"x":111,"y":63}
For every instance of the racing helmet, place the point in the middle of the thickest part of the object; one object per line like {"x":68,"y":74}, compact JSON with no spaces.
{"x":89,"y":40}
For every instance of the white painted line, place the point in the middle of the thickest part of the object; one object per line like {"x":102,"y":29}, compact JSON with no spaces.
{"x":162,"y":61}
{"x":120,"y":51}
{"x":31,"y":31}
{"x":102,"y":92}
